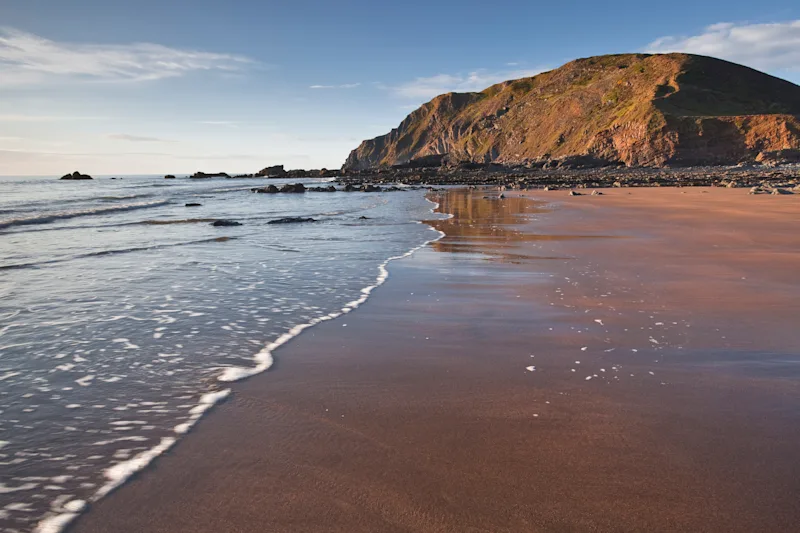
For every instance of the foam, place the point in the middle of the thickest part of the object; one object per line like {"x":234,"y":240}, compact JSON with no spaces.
{"x":121,"y":472}
{"x":57,"y":523}
{"x":207,"y":401}
{"x":263,"y":359}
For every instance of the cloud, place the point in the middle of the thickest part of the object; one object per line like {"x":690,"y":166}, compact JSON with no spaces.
{"x":342,"y":86}
{"x":27,"y":59}
{"x":226,"y":123}
{"x":774,"y":46}
{"x":477,"y":80}
{"x":44,"y":118}
{"x":137,"y":138}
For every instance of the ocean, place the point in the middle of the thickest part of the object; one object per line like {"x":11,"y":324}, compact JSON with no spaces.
{"x":125,"y":315}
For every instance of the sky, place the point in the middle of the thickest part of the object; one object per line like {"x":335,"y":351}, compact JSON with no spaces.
{"x":174,"y":86}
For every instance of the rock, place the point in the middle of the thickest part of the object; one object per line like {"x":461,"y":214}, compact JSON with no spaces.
{"x":757,"y":190}
{"x":362,"y":217}
{"x":275,"y":171}
{"x":297,"y":187}
{"x":350,"y":187}
{"x":203,"y":175}
{"x":76,"y":176}
{"x":370,"y":188}
{"x":269,"y":189}
{"x":290,"y":220}
{"x":193,"y":204}
{"x":169,"y":177}
{"x":226,"y":223}
{"x":781,"y":191}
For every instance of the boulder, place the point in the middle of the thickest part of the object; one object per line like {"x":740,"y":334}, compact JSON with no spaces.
{"x":76,"y":176}
{"x":226,"y":223}
{"x":169,"y":177}
{"x":290,"y":220}
{"x":297,"y":187}
{"x":269,"y":189}
{"x":193,"y":204}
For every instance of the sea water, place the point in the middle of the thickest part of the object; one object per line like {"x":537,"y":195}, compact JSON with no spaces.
{"x":125,"y":315}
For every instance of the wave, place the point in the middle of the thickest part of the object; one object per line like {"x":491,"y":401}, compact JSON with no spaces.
{"x":46,"y":218}
{"x":263,"y":359}
{"x":112,"y":252}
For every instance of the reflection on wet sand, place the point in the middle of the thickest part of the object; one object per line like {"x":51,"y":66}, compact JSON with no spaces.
{"x":492,"y":226}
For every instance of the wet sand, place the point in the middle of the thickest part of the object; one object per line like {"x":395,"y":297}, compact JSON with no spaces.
{"x":627,"y":362}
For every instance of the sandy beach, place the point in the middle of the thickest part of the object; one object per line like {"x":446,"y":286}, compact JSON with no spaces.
{"x":618,"y":363}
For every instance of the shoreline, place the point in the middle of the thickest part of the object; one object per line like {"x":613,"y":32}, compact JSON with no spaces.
{"x":264,"y":407}
{"x":122,"y":472}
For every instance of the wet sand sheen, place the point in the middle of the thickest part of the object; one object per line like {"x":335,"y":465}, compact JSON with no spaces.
{"x":502,"y":382}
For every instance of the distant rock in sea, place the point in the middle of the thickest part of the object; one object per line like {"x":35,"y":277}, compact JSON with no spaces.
{"x":276,"y":171}
{"x":226,"y":223}
{"x":169,"y":177}
{"x":290,"y":220}
{"x":203,"y":175}
{"x":76,"y":176}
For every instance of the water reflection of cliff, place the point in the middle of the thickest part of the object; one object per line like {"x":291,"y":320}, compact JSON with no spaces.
{"x":486,"y":224}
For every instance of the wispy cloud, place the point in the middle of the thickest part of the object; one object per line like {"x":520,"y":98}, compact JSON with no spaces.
{"x":137,"y":138}
{"x":44,"y":118}
{"x":774,"y":46}
{"x":26,"y":58}
{"x":342,"y":86}
{"x":477,"y":80}
{"x":227,"y":123}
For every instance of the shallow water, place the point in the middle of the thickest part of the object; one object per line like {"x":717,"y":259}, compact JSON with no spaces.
{"x":123,"y":313}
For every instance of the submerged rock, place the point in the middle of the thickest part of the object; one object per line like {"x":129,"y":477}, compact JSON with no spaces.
{"x":193,"y":204}
{"x":226,"y":223}
{"x":290,"y":220}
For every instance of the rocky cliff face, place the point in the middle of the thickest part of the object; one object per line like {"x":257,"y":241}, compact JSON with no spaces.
{"x":631,"y":109}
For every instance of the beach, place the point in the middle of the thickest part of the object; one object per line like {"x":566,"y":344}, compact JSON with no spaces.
{"x":624,"y":362}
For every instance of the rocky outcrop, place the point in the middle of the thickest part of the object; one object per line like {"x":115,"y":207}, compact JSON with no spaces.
{"x":204,"y":175}
{"x":276,"y":171}
{"x":76,"y":176}
{"x":630,"y":109}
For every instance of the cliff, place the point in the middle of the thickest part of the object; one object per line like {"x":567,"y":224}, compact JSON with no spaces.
{"x":631,"y":109}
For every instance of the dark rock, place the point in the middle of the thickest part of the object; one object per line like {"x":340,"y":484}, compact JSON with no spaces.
{"x":290,"y":220}
{"x":362,"y":217}
{"x":193,"y":204}
{"x":203,"y":175}
{"x":276,"y":171}
{"x":269,"y":189}
{"x":169,"y":177}
{"x":226,"y":223}
{"x":297,"y":187}
{"x":370,"y":188}
{"x":76,"y":176}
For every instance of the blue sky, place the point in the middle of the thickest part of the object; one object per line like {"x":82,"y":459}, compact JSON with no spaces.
{"x":117,"y":87}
